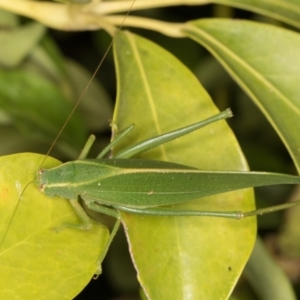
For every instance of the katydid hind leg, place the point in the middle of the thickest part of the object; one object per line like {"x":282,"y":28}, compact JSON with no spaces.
{"x":110,"y":212}
{"x":270,"y":209}
{"x":157,"y":211}
{"x":93,"y":205}
{"x":165,"y":212}
{"x":104,"y":251}
{"x":169,"y":136}
{"x":120,"y":136}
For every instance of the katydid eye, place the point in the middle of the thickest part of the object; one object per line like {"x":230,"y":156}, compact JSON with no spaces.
{"x":41,"y":171}
{"x":42,"y":187}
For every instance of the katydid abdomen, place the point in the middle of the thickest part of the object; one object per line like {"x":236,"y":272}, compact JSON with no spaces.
{"x":145,"y":183}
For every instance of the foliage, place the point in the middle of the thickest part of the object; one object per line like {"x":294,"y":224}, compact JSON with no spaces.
{"x":174,"y":257}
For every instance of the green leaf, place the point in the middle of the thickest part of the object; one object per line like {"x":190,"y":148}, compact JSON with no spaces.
{"x":37,"y":261}
{"x":266,"y":275}
{"x":180,"y":257}
{"x":13,"y":141}
{"x":39,"y":109}
{"x":287,"y":11}
{"x":97,"y":106}
{"x":288,"y":238}
{"x":261,"y":58}
{"x":18,"y":42}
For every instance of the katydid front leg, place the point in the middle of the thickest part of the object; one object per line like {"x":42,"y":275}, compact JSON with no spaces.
{"x":85,"y":219}
{"x":86,"y":223}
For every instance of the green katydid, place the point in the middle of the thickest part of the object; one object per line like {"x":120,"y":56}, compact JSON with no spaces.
{"x":143,"y":186}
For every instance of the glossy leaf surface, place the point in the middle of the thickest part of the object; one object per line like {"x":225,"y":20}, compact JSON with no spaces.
{"x":269,"y":76}
{"x":180,"y":257}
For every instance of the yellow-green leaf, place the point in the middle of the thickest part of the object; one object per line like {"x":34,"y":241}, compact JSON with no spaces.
{"x":180,"y":257}
{"x":37,"y":260}
{"x":263,"y":59}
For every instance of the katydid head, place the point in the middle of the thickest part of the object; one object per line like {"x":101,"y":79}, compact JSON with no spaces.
{"x":39,"y":180}
{"x":53,"y":181}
